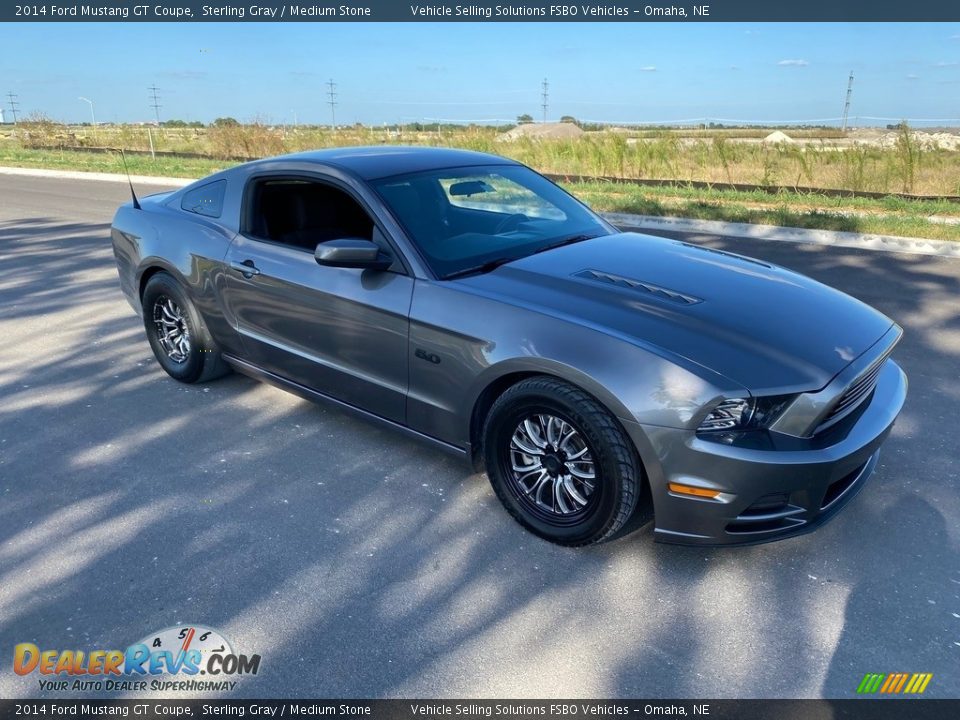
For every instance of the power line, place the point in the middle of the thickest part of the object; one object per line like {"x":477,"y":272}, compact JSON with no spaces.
{"x":14,"y":104}
{"x":846,"y":105}
{"x":545,"y":97}
{"x":332,"y":102}
{"x":155,"y":104}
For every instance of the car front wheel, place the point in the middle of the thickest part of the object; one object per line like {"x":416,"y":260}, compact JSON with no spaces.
{"x":176,"y":333}
{"x":560,"y":463}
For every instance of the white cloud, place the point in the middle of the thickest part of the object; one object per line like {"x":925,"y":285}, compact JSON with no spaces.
{"x":911,"y":76}
{"x":648,"y":68}
{"x":793,"y":63}
{"x":944,"y":63}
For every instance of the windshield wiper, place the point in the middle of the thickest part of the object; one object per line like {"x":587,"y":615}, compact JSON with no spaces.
{"x":480,"y":269}
{"x":566,"y":241}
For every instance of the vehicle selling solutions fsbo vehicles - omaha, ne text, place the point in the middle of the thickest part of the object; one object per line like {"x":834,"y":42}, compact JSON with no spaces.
{"x":465,"y":299}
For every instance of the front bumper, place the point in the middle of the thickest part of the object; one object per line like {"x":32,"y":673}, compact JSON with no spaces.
{"x":768,"y":493}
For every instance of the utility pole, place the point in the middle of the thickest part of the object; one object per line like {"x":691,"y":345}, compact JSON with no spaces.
{"x":332,"y":102}
{"x":14,"y":104}
{"x":544,"y":96}
{"x":846,"y":105}
{"x":93,"y":116}
{"x":155,"y":102}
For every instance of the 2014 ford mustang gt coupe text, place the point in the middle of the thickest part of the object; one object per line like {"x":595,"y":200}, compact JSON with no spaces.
{"x":465,"y":299}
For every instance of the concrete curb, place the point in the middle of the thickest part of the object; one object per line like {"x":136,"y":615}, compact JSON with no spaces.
{"x":859,"y":241}
{"x":836,"y":238}
{"x":105,"y":177}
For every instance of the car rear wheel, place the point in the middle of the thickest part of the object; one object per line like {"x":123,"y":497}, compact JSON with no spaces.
{"x":560,"y":462}
{"x":177,"y":335}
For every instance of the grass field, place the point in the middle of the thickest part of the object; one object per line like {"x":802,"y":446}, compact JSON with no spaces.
{"x":902,"y":164}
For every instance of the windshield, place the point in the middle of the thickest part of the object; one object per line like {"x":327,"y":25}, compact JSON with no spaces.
{"x":474,"y":218}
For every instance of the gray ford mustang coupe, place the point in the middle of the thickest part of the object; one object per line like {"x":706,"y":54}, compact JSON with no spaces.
{"x":466,"y":300}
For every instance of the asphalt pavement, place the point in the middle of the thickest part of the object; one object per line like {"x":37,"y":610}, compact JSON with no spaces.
{"x":359,"y":563}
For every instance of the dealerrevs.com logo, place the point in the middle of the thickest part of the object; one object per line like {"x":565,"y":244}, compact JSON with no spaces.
{"x":172,"y":659}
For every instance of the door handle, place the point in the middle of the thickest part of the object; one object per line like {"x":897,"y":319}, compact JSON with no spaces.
{"x":245,"y":268}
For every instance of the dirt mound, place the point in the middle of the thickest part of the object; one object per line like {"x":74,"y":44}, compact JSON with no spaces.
{"x":777,"y":137}
{"x":543,"y":131}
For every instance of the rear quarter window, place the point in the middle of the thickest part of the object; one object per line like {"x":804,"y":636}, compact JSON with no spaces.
{"x":205,"y":200}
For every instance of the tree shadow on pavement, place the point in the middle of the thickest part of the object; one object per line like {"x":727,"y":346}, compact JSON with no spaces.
{"x":922,"y":631}
{"x":877,"y":588}
{"x":360,"y":564}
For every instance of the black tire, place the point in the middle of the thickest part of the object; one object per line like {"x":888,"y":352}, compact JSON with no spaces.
{"x":198,"y":360}
{"x":609,"y":455}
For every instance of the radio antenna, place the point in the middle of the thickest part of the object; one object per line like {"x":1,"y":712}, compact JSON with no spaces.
{"x":136,"y":203}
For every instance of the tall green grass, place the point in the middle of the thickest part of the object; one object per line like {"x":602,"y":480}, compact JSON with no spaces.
{"x":705,"y":155}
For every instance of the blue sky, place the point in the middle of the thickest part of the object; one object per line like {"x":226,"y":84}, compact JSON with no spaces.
{"x":618,"y":72}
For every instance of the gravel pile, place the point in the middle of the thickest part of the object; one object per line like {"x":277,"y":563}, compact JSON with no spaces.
{"x":543,"y":131}
{"x":926,"y":141}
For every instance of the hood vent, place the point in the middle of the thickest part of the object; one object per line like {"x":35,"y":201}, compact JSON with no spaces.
{"x":638,"y":285}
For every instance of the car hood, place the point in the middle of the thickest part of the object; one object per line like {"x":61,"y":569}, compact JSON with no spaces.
{"x":762,"y":326}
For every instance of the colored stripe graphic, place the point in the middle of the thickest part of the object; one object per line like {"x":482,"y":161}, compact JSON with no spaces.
{"x":870,"y":683}
{"x":900,"y":682}
{"x":927,"y":677}
{"x":888,"y":682}
{"x":894,"y":683}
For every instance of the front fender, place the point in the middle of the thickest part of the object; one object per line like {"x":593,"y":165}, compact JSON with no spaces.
{"x":476,"y":341}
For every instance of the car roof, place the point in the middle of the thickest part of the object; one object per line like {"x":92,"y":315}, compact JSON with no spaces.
{"x":375,"y":162}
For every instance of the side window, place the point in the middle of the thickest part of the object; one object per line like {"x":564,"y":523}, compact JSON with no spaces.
{"x":303,"y":213}
{"x":498,"y":194}
{"x":206,"y":199}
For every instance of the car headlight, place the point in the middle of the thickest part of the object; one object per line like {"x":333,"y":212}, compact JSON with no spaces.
{"x":739,"y":414}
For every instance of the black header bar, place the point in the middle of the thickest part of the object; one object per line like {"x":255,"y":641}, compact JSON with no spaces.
{"x":854,"y":709}
{"x":481,"y":11}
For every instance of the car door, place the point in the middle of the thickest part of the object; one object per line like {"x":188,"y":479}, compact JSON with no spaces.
{"x":339,"y":331}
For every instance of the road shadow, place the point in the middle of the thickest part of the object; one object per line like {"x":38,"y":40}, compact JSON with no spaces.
{"x":351,"y":559}
{"x":360,"y":564}
{"x":897,"y":624}
{"x":888,"y":562}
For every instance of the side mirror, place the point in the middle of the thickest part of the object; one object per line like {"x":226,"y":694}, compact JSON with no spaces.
{"x":351,"y":253}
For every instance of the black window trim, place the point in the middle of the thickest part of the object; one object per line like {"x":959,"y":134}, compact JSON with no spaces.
{"x":247,"y":202}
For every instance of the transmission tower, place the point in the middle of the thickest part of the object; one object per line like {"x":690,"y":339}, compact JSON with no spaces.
{"x":14,"y":104}
{"x":332,"y":102}
{"x":155,"y":102}
{"x":544,"y":97}
{"x":846,"y":105}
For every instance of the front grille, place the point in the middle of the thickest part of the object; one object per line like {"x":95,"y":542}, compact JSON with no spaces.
{"x":855,"y":394}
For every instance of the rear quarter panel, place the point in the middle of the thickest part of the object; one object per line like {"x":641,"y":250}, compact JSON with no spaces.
{"x":188,"y":247}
